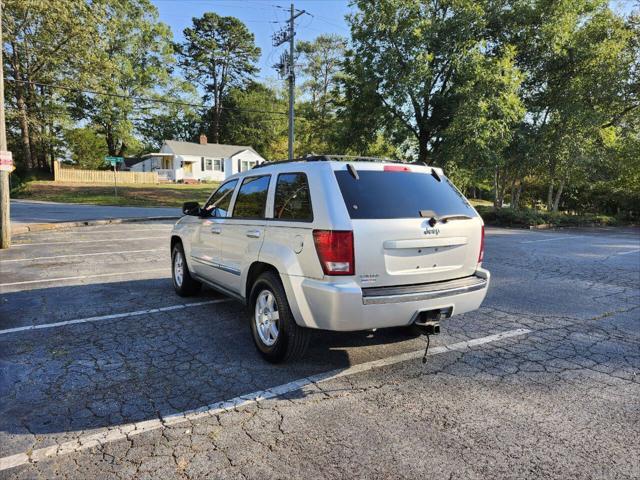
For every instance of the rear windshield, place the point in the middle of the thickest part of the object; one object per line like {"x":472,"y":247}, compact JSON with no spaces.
{"x":379,"y":194}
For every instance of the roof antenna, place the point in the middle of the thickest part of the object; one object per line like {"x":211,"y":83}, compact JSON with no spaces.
{"x":353,"y":171}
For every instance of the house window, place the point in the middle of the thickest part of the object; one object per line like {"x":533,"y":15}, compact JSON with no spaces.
{"x":247,"y":165}
{"x":208,"y":164}
{"x":218,"y":165}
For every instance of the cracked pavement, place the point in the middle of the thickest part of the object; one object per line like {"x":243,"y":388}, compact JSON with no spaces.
{"x":104,"y":398}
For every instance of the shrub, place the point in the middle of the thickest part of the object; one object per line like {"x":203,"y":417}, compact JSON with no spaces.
{"x":526,"y":217}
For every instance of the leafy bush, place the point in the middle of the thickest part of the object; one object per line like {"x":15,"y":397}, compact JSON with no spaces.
{"x":526,"y":217}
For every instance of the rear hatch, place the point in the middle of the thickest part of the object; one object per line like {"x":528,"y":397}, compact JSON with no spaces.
{"x":410,"y":224}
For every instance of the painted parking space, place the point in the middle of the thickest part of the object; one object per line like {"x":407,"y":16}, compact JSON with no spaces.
{"x":114,"y":355}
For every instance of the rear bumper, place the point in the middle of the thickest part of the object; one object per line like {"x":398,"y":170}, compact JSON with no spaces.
{"x":347,"y":307}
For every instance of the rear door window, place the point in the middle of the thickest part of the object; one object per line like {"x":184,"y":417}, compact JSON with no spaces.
{"x":396,"y":194}
{"x":293,"y":199}
{"x":251,"y":200}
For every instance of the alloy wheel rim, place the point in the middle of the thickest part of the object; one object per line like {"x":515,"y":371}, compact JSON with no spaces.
{"x":178,"y":269}
{"x":267,"y":318}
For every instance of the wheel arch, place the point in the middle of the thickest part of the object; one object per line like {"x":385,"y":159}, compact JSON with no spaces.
{"x":175,"y":239}
{"x":256,"y":269}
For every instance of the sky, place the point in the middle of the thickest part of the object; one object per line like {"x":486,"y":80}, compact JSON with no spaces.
{"x":263,"y":18}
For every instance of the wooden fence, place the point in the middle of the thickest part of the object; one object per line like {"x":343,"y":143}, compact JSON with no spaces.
{"x":74,"y":175}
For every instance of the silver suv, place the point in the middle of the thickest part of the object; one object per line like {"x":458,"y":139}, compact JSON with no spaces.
{"x":334,"y":244}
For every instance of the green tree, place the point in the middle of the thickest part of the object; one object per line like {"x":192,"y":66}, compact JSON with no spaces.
{"x":580,"y":61}
{"x":176,"y":118}
{"x":133,"y":58}
{"x":43,"y":43}
{"x":484,"y":124}
{"x":87,"y":147}
{"x":246,"y":119}
{"x":418,"y":55}
{"x":218,"y":53}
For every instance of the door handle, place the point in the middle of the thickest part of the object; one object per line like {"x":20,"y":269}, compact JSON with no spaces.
{"x":216,"y":230}
{"x":253,"y":233}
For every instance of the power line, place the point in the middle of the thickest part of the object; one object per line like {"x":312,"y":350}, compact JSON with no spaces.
{"x":142,"y":99}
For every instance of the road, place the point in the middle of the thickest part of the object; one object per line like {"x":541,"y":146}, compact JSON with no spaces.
{"x":33,"y":212}
{"x":106,"y":373}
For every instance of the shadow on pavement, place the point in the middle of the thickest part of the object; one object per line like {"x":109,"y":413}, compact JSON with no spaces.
{"x":104,"y":373}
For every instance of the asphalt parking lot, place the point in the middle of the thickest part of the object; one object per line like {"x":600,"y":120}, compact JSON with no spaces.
{"x":106,"y":373}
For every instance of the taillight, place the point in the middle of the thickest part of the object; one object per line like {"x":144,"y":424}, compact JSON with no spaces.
{"x":481,"y":254}
{"x":335,"y":251}
{"x":396,"y":168}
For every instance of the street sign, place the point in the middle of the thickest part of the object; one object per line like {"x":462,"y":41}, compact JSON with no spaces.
{"x":6,"y":161}
{"x":114,"y":160}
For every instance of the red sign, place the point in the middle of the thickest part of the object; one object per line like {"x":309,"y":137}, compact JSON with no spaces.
{"x":6,"y":161}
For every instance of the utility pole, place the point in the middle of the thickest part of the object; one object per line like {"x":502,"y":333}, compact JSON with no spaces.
{"x":292,"y":81}
{"x":6,"y":164}
{"x":287,"y":67}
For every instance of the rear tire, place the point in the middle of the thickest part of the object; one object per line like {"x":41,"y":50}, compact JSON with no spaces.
{"x":183,"y":283}
{"x":275,"y":333}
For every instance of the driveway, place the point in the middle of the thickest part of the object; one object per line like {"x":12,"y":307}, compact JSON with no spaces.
{"x":106,"y":373}
{"x":35,"y":212}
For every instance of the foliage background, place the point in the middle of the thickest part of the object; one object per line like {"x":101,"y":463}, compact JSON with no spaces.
{"x":527,"y":103}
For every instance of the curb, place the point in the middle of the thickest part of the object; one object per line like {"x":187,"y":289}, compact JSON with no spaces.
{"x":38,"y":227}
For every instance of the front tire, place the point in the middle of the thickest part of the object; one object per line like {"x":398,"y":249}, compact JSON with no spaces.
{"x":183,"y":283}
{"x":275,"y":333}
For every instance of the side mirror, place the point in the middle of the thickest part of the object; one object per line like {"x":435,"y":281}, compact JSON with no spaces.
{"x":191,"y":208}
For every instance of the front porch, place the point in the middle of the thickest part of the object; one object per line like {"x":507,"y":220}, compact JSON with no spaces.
{"x":176,"y":175}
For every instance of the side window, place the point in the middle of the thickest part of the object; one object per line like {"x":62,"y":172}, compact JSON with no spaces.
{"x":218,"y":204}
{"x":252,"y":198}
{"x":293,"y":199}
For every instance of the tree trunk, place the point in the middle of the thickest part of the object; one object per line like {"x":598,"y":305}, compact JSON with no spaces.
{"x":35,"y":130}
{"x":423,"y":143}
{"x":52,"y":160}
{"x":550,"y":196}
{"x":23,"y":118}
{"x":497,"y":203}
{"x":556,"y":202}
{"x":214,"y":131}
{"x":24,"y":127}
{"x":111,"y":147}
{"x":516,"y":201}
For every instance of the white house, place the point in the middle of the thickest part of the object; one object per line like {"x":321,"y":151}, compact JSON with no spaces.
{"x":192,"y":162}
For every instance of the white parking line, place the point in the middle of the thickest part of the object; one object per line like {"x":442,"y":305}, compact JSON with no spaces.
{"x":553,"y":239}
{"x":81,"y":255}
{"x":627,"y":253}
{"x":113,"y":316}
{"x":82,"y":277}
{"x":88,"y":241}
{"x":86,"y":232}
{"x":115,"y":433}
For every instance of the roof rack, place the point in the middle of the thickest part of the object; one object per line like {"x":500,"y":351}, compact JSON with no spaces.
{"x":335,"y":158}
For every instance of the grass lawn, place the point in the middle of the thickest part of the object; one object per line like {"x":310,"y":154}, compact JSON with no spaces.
{"x":162,"y":195}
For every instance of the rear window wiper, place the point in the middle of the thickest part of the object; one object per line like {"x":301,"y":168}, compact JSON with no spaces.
{"x":446,"y":218}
